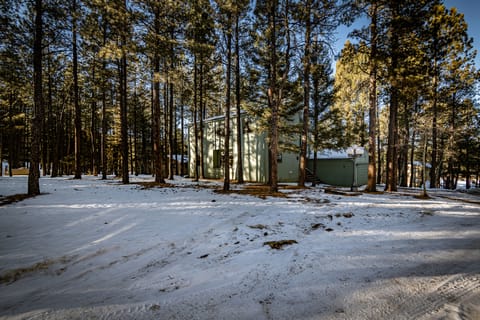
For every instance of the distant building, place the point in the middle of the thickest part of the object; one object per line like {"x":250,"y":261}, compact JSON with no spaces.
{"x":255,"y":152}
{"x":415,"y":174}
{"x":333,"y":168}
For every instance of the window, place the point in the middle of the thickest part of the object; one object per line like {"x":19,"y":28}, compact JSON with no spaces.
{"x":217,"y":158}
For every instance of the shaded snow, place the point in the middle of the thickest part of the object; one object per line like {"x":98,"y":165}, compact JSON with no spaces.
{"x":98,"y":249}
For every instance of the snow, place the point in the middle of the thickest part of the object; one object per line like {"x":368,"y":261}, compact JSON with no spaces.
{"x":330,"y":154}
{"x":93,"y":249}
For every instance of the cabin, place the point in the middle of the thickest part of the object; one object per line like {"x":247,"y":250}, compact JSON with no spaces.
{"x":254,"y":149}
{"x":335,"y":169}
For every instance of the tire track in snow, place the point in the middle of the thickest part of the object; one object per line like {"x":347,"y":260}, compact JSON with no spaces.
{"x":454,"y":291}
{"x":423,"y":304}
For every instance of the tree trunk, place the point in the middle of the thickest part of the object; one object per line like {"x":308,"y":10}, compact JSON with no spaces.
{"x":306,"y":96}
{"x":392,"y":161}
{"x":372,"y":111}
{"x":433,"y":163}
{"x":103,"y":138}
{"x":202,"y":117}
{"x":413,"y":174}
{"x":226,"y":160}
{"x":316,"y":112}
{"x":273,"y":100}
{"x":195,"y":120}
{"x":78,"y":111}
{"x":47,"y":123}
{"x":34,"y":172}
{"x":468,"y":181}
{"x":93,"y":125}
{"x":123,"y":114}
{"x":424,"y":165}
{"x":403,"y":146}
{"x":103,"y":141}
{"x":237,"y":101}
{"x":134,"y":146}
{"x":157,"y":145}
{"x":379,"y":159}
{"x":182,"y":139}
{"x":171,"y":131}
{"x":157,"y":153}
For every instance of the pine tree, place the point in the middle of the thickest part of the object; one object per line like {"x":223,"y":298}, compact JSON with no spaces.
{"x":76,"y":98}
{"x":155,"y":47}
{"x":200,"y":42}
{"x":272,"y":58}
{"x":16,"y":85}
{"x":225,"y":19}
{"x":241,"y":8}
{"x":372,"y":97}
{"x":453,"y":77}
{"x":34,"y":172}
{"x":316,"y":18}
{"x":325,"y":124}
{"x":351,"y":91}
{"x":404,"y":19}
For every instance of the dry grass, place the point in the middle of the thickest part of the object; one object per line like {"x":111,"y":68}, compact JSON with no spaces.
{"x":261,"y":191}
{"x":422,"y":196}
{"x":336,"y":191}
{"x":153,"y":184}
{"x":14,"y":198}
{"x":279,"y":244}
{"x":13,"y":275}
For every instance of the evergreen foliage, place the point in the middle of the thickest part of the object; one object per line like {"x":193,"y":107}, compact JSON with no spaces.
{"x":110,"y":87}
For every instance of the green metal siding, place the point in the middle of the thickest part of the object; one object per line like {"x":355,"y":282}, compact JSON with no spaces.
{"x":255,"y":154}
{"x":339,"y":171}
{"x":288,"y":168}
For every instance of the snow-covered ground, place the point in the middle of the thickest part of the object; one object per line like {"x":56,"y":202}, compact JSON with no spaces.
{"x":92,"y":249}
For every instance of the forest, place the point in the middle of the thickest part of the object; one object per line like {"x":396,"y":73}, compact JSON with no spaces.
{"x":111,"y":87}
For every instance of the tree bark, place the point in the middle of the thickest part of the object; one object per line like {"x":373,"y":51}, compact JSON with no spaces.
{"x":306,"y":96}
{"x":433,"y":162}
{"x":316,"y":113}
{"x":123,"y":113}
{"x":195,"y":121}
{"x":93,"y":125}
{"x":171,"y":131}
{"x":78,"y":111}
{"x":202,"y":115}
{"x":34,"y":172}
{"x":273,"y":100}
{"x":156,"y":109}
{"x":392,"y":163}
{"x":372,"y":111}
{"x":237,"y":101}
{"x":226,"y":160}
{"x":103,"y":141}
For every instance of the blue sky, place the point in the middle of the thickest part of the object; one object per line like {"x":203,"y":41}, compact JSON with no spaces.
{"x":470,"y":8}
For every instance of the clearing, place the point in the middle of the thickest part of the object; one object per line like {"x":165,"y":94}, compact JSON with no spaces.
{"x":93,"y":249}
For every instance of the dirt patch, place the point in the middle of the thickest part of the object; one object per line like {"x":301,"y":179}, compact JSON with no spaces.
{"x":279,"y":244}
{"x":153,"y":184}
{"x":342,"y":192}
{"x":13,"y":275}
{"x":14,"y":198}
{"x":261,"y":191}
{"x":422,"y":196}
{"x":258,"y":226}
